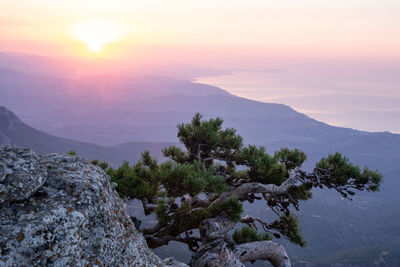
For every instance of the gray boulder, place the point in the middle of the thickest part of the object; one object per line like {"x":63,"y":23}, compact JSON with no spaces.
{"x":21,"y":174}
{"x":60,"y":210}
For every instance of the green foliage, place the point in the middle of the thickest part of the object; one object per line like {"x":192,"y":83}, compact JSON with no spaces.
{"x":102,"y":164}
{"x":129,"y":184}
{"x":176,"y":154}
{"x":215,"y":183}
{"x":189,"y":187}
{"x":343,"y":172}
{"x":301,"y":192}
{"x":231,"y":207}
{"x":139,"y":181}
{"x":263,"y":168}
{"x":207,"y":139}
{"x":162,"y":213}
{"x":289,"y":227}
{"x":248,"y":234}
{"x":179,"y":179}
{"x":291,"y":158}
{"x":189,"y":178}
{"x":185,"y":217}
{"x":72,"y":153}
{"x":201,"y":214}
{"x":182,"y":219}
{"x":371,"y":178}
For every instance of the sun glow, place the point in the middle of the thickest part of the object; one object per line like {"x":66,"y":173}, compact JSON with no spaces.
{"x":96,"y":34}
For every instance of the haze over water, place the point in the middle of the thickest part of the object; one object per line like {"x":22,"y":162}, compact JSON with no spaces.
{"x":362,"y":99}
{"x":336,"y":61}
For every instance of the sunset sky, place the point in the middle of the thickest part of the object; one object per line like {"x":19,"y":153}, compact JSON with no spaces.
{"x":355,"y":27}
{"x":337,"y":61}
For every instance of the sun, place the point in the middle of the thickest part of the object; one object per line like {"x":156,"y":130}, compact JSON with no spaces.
{"x":96,"y":34}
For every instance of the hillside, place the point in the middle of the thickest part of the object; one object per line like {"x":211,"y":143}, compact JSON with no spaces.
{"x":15,"y":132}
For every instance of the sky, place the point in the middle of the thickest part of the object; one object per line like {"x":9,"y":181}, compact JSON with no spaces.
{"x":336,"y":61}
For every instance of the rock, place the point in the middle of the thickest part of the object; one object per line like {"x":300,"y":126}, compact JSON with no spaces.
{"x":21,"y":174}
{"x":60,"y":210}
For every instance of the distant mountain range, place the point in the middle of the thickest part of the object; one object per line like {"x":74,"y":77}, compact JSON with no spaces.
{"x":15,"y":132}
{"x":109,"y":110}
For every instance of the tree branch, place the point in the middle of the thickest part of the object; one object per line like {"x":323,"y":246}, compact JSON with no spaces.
{"x":155,"y":242}
{"x":215,"y":254}
{"x":148,"y":208}
{"x":151,"y":230}
{"x":251,"y":221}
{"x":196,"y":201}
{"x":215,"y":228}
{"x":263,"y":250}
{"x":242,"y":191}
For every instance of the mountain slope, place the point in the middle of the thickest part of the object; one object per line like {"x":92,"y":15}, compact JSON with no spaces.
{"x":15,"y":132}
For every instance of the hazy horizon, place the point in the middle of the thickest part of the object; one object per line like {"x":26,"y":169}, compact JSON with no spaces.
{"x":332,"y":94}
{"x":336,"y":61}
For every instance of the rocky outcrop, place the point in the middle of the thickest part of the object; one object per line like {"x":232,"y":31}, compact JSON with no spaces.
{"x":21,"y":174}
{"x":59,"y":210}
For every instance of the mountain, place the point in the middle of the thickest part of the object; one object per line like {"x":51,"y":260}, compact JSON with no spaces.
{"x":109,"y":110}
{"x":15,"y":132}
{"x":33,"y":64}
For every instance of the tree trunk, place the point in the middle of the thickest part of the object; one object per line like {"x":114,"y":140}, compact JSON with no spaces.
{"x":215,"y":254}
{"x":220,"y":250}
{"x":263,"y":250}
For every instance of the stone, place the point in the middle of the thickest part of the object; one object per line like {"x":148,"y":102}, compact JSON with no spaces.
{"x":21,"y":174}
{"x":60,"y":210}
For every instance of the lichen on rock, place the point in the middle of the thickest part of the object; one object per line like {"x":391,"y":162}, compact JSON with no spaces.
{"x":21,"y":174}
{"x":60,"y":210}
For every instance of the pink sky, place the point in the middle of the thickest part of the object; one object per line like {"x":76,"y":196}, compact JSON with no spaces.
{"x":341,"y":27}
{"x":342,"y":52}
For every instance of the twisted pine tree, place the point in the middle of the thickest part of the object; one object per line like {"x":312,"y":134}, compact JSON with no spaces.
{"x":203,"y":186}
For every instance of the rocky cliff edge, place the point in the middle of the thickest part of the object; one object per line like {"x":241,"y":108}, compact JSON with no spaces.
{"x":60,"y":210}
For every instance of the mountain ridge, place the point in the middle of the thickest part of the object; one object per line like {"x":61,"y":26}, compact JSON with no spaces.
{"x":15,"y":132}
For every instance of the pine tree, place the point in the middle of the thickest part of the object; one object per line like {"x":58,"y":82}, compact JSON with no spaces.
{"x":202,"y":187}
